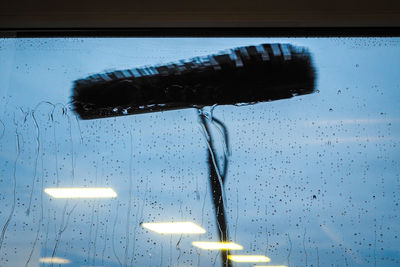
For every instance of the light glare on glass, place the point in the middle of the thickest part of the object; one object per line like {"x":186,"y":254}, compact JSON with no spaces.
{"x":174,"y":228}
{"x":81,"y":192}
{"x":54,"y":260}
{"x":270,"y":266}
{"x":217,"y":245}
{"x":249,"y":258}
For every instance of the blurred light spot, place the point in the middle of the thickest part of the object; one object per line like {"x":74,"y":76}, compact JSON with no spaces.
{"x":81,"y":192}
{"x":174,"y":228}
{"x":217,"y":245}
{"x":54,"y":260}
{"x":249,"y":258}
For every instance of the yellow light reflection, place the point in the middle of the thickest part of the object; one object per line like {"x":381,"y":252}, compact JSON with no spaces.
{"x":174,"y":228}
{"x":217,"y":245}
{"x":249,"y":258}
{"x":54,"y":260}
{"x":81,"y":192}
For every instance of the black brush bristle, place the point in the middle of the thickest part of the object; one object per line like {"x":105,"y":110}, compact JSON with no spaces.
{"x":249,"y":75}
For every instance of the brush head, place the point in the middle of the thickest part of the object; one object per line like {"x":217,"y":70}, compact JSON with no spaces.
{"x":244,"y":75}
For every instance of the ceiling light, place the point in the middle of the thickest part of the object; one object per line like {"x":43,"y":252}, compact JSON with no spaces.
{"x":249,"y":258}
{"x":217,"y":245}
{"x":54,"y":260}
{"x":174,"y":228}
{"x":81,"y":192}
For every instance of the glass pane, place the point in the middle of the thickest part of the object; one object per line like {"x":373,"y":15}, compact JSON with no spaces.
{"x":310,"y":179}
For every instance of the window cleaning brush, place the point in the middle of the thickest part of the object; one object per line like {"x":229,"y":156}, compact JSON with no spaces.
{"x":244,"y":75}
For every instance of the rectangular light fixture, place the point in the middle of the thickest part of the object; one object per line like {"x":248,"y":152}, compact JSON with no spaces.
{"x":249,"y":258}
{"x":217,"y":245}
{"x":81,"y":192}
{"x":54,"y":260}
{"x":174,"y":228}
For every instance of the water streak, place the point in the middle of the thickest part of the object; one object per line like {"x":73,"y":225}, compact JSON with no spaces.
{"x":63,"y":227}
{"x":113,"y":235}
{"x":127,"y":233}
{"x":28,"y":210}
{"x":11,"y":214}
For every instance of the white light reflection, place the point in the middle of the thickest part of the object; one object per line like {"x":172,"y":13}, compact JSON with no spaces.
{"x":81,"y":192}
{"x":54,"y":260}
{"x":174,"y":228}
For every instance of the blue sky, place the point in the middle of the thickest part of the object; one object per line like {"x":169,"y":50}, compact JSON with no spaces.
{"x":339,"y":144}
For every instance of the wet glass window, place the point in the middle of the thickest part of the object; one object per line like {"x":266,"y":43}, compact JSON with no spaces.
{"x":199,"y":152}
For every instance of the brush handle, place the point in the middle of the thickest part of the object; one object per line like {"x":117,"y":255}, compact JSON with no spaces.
{"x":243,"y":75}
